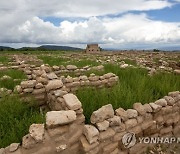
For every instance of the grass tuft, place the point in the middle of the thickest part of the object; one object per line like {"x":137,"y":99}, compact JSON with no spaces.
{"x":15,"y":119}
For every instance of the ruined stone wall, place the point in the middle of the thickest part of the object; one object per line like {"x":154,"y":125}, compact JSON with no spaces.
{"x":47,"y":88}
{"x":59,"y":70}
{"x":65,"y":132}
{"x":61,"y":132}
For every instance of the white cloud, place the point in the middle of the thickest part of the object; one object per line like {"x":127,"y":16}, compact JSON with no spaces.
{"x":79,"y":8}
{"x":126,"y":29}
{"x":21,"y":23}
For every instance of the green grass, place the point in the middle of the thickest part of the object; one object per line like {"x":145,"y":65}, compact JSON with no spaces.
{"x":52,"y":60}
{"x":65,"y":61}
{"x":129,"y":61}
{"x":83,"y":62}
{"x":15,"y":119}
{"x":4,"y":59}
{"x":134,"y":86}
{"x":10,"y":83}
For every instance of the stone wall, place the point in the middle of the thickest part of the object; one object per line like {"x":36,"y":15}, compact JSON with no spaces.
{"x":48,"y":88}
{"x":59,"y":70}
{"x":65,"y":132}
{"x":41,"y":78}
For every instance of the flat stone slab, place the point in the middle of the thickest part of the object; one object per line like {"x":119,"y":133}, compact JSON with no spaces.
{"x":55,"y":118}
{"x":72,"y":102}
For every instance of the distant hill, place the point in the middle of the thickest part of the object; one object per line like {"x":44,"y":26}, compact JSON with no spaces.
{"x":4,"y":48}
{"x":53,"y":47}
{"x":40,"y":48}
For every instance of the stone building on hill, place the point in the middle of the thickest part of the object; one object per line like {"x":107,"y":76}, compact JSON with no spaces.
{"x":92,"y":48}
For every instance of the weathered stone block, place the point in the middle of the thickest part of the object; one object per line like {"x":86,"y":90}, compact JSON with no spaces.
{"x":52,"y":76}
{"x":71,"y":67}
{"x":37,"y":132}
{"x":130,"y":123}
{"x":13,"y":147}
{"x":54,"y":84}
{"x":122,"y":113}
{"x":114,"y":121}
{"x":147,"y":124}
{"x":102,"y":114}
{"x":155,"y":107}
{"x":86,"y":146}
{"x":102,"y":125}
{"x":139,"y":108}
{"x":91,"y":133}
{"x":162,"y":102}
{"x":147,"y":108}
{"x":170,"y":100}
{"x":28,"y":142}
{"x":38,"y":91}
{"x":28,"y":84}
{"x":131,"y":113}
{"x":28,"y":90}
{"x":106,"y":134}
{"x":55,"y":118}
{"x":72,"y":101}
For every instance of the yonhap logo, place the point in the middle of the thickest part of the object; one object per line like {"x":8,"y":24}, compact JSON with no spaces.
{"x":129,"y":139}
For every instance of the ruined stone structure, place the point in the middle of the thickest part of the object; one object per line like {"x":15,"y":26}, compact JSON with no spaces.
{"x":92,"y":48}
{"x":65,"y":131}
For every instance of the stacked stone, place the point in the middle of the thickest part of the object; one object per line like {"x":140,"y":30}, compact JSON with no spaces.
{"x":60,"y":134}
{"x":59,"y":99}
{"x":65,"y":132}
{"x":74,"y":69}
{"x":34,"y":88}
{"x":28,"y":72}
{"x":98,"y":138}
{"x":161,"y":118}
{"x":73,"y":84}
{"x":55,"y":91}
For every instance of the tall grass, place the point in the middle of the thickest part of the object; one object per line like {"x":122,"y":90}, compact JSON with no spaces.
{"x":134,"y":86}
{"x":53,"y":60}
{"x":4,"y":59}
{"x":10,"y":83}
{"x":83,"y":62}
{"x":15,"y":119}
{"x":65,"y":61}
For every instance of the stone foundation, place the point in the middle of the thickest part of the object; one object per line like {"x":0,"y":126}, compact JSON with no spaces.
{"x":65,"y":132}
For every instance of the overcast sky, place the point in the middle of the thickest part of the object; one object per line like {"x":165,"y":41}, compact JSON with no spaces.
{"x":111,"y":23}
